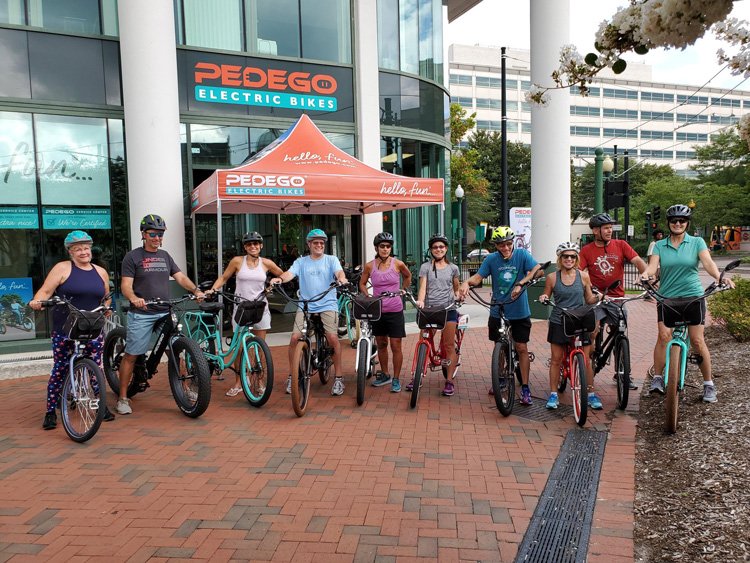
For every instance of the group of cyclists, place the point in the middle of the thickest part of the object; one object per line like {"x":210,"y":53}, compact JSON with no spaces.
{"x":581,"y":277}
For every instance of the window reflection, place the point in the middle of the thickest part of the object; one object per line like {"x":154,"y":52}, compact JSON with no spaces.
{"x":216,"y":24}
{"x":218,"y":145}
{"x":13,"y":12}
{"x":388,"y":34}
{"x":70,"y":16}
{"x":326,"y":33}
{"x":409,"y":36}
{"x":17,"y":168}
{"x":275,"y":28}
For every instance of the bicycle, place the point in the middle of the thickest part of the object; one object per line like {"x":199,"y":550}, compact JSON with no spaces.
{"x":430,"y":320}
{"x":256,"y":363}
{"x":309,"y":355}
{"x":678,"y":316}
{"x":83,"y":398}
{"x":188,"y":371}
{"x":348,"y":325}
{"x":19,"y":320}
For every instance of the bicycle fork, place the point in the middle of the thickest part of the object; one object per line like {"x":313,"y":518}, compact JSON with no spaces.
{"x":78,"y":395}
{"x":679,"y":339}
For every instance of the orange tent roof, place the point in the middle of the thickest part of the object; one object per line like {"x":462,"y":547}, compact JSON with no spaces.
{"x":303,"y":172}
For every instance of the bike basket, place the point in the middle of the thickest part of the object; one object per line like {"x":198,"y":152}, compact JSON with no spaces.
{"x":579,"y":320}
{"x":249,"y":312}
{"x":683,"y":311}
{"x":366,"y":308}
{"x":432,"y":318}
{"x":83,"y":325}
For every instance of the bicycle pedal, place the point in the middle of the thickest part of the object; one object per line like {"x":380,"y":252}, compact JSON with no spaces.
{"x":445,"y":363}
{"x":696,"y":359}
{"x":532,"y":357}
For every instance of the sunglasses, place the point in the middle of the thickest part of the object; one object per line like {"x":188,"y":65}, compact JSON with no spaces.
{"x":155,"y":235}
{"x":678,"y":220}
{"x":438,"y":247}
{"x":568,"y":256}
{"x":252,"y":243}
{"x":504,"y":243}
{"x":384,"y":245}
{"x":317,"y":242}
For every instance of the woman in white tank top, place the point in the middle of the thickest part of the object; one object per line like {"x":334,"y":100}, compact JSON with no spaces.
{"x":251,"y":271}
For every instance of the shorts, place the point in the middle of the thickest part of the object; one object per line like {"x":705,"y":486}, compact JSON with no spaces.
{"x":390,"y":324}
{"x":520,"y":329}
{"x":660,"y":313}
{"x":609,"y":311}
{"x":330,"y":321}
{"x":452,"y":316}
{"x":140,"y":328}
{"x":556,"y":335}
{"x":264,"y":324}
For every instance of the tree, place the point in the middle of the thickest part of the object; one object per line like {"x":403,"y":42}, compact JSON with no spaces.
{"x":724,"y":160}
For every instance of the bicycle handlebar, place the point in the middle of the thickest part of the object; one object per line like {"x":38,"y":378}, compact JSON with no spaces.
{"x":56,"y":300}
{"x":317,"y":297}
{"x":455,"y":305}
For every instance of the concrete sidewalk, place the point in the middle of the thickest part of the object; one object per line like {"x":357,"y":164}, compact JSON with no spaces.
{"x":451,"y":480}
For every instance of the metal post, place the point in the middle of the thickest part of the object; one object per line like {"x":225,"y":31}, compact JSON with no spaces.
{"x":460,"y":233}
{"x":598,"y":181}
{"x":504,"y":218}
{"x":626,"y":195}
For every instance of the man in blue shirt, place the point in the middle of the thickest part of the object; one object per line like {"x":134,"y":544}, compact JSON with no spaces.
{"x":511,"y":269}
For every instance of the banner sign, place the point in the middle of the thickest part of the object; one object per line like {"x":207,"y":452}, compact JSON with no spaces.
{"x":520,"y":223}
{"x":19,"y":218}
{"x":16,"y":318}
{"x":76,"y":218}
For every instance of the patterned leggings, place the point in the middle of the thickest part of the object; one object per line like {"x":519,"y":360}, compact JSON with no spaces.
{"x":62,"y":350}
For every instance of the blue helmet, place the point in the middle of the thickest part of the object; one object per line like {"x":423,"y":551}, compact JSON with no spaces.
{"x":78,"y":237}
{"x":316,"y":233}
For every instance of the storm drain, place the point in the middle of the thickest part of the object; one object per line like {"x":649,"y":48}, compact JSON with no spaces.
{"x":538,"y":411}
{"x":561,"y":525}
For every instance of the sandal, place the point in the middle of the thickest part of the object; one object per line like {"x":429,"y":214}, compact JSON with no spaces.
{"x":234,"y":391}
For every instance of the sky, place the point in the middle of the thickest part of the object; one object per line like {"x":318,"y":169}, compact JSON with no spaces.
{"x":491,"y":23}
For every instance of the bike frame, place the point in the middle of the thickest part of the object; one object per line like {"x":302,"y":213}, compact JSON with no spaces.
{"x":223,"y":358}
{"x":681,"y":340}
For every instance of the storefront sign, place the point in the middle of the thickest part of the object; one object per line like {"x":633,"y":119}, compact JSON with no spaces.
{"x":16,"y":319}
{"x":520,"y":223}
{"x":73,"y":218}
{"x":19,"y":218}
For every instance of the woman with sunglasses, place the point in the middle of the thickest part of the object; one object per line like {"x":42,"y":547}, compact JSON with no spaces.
{"x":439,"y":287}
{"x":678,"y":256}
{"x":251,"y":271}
{"x":570,"y":288}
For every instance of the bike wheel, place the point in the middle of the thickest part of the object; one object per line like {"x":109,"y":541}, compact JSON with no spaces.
{"x":301,"y":372}
{"x":622,"y":372}
{"x":503,"y":380}
{"x":672,"y":400}
{"x":325,"y":358}
{"x":459,"y":339}
{"x":83,"y":400}
{"x":419,"y":371}
{"x":256,"y":371}
{"x":189,"y":377}
{"x":112,"y":351}
{"x":205,"y":341}
{"x":27,"y":324}
{"x":363,"y":366}
{"x":579,"y":388}
{"x":562,"y":381}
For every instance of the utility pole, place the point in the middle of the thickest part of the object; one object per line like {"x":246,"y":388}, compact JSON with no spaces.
{"x":504,"y":211}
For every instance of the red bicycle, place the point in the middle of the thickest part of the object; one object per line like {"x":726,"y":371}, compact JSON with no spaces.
{"x":430,"y":320}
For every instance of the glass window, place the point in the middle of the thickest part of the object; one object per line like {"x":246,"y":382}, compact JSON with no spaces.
{"x":17,"y":167}
{"x":409,"y":35}
{"x":622,"y":113}
{"x":657,"y":97}
{"x":344,"y":141}
{"x":13,"y":12}
{"x":686,"y":155}
{"x":621,"y":133}
{"x":14,"y":64}
{"x":390,"y":99}
{"x":437,"y":41}
{"x":388,"y":41}
{"x":585,"y":131}
{"x":692,"y":118}
{"x":73,"y":158}
{"x":70,"y":16}
{"x":261,"y":138}
{"x":583,"y":110}
{"x":216,"y":24}
{"x":620,"y":94}
{"x":692,"y":100}
{"x":656,"y":116}
{"x":464,"y":79}
{"x":326,"y":33}
{"x":217,"y":145}
{"x":426,"y":60}
{"x":274,"y":28}
{"x":110,"y":23}
{"x":410,"y":111}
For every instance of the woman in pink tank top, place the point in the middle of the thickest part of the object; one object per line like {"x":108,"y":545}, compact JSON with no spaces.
{"x":387,"y":273}
{"x":251,"y":271}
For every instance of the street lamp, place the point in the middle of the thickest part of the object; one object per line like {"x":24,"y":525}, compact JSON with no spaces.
{"x":602,"y":165}
{"x":460,"y":198}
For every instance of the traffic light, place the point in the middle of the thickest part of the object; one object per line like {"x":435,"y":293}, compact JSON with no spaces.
{"x":656,"y":213}
{"x":648,"y":224}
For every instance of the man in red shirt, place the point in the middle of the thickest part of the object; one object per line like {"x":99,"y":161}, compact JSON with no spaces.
{"x":604,"y":259}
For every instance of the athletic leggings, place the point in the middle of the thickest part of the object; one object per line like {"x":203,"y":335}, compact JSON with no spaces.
{"x":62,"y":350}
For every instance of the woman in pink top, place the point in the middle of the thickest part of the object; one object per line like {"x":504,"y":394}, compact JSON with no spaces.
{"x":251,"y":271}
{"x":386,"y":273}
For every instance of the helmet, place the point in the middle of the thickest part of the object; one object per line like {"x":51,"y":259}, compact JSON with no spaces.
{"x":252,"y":237}
{"x":563,"y":246}
{"x":383,"y":237}
{"x":679,"y":210}
{"x":316,"y":233}
{"x":77,"y":237}
{"x":437,"y":237}
{"x":502,"y":234}
{"x":153,"y":222}
{"x":601,"y":219}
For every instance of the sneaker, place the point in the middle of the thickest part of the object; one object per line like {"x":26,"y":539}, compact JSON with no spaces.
{"x":525,"y":395}
{"x":553,"y":401}
{"x":633,"y":386}
{"x":50,"y":421}
{"x":381,"y":378}
{"x":657,"y":384}
{"x":289,"y":385}
{"x":395,"y":385}
{"x":108,"y":416}
{"x":709,"y":394}
{"x":338,"y":386}
{"x":449,"y":389}
{"x":410,"y":385}
{"x":595,"y":402}
{"x":123,"y":406}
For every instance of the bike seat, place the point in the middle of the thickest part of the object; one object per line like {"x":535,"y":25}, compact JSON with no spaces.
{"x":211,"y":307}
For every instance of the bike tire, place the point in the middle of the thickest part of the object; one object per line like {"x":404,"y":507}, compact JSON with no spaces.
{"x":256,"y":370}
{"x":81,"y":418}
{"x":205,"y":341}
{"x":356,"y":334}
{"x":503,"y":380}
{"x":27,"y":324}
{"x":579,"y":388}
{"x":672,"y":399}
{"x":323,"y":350}
{"x":363,"y":366}
{"x":112,"y":352}
{"x":622,"y":372}
{"x":344,"y":313}
{"x":301,"y":372}
{"x":562,"y":381}
{"x":419,"y":372}
{"x":188,"y":364}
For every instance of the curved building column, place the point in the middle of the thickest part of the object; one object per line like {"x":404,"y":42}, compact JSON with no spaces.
{"x":550,"y":131}
{"x":152,"y":119}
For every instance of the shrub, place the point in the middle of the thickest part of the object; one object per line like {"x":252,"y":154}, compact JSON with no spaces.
{"x":731,"y":309}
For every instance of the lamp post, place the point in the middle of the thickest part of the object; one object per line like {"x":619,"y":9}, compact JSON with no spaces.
{"x":602,"y":165}
{"x":460,"y":198}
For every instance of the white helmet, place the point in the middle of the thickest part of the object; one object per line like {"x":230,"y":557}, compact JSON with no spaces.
{"x":563,"y":246}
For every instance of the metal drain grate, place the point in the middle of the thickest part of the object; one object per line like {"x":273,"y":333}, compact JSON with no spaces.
{"x":539,"y":412}
{"x":561,"y":525}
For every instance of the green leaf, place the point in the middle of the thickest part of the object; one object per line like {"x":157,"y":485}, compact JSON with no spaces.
{"x":619,"y":66}
{"x":591,"y":59}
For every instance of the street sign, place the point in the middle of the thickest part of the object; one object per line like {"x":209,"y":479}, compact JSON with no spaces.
{"x":631,"y":231}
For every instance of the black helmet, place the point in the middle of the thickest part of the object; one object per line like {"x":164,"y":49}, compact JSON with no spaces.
{"x":437,"y":237}
{"x":679,"y":210}
{"x":153,"y":222}
{"x":383,"y":237}
{"x":601,"y":219}
{"x":253,"y":236}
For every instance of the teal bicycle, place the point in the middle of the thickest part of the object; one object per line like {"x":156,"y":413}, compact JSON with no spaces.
{"x":678,"y":314}
{"x":348,"y":325}
{"x":255,"y":362}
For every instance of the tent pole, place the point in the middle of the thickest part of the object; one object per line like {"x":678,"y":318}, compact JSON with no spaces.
{"x":195,"y":251}
{"x":219,"y":257}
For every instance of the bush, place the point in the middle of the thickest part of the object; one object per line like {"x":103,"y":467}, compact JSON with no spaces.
{"x":731,"y":309}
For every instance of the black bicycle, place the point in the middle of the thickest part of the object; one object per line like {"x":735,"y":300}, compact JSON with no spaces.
{"x":189,"y":372}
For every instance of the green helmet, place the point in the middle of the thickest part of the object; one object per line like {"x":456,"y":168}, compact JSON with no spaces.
{"x":502,"y":234}
{"x":317,"y":233}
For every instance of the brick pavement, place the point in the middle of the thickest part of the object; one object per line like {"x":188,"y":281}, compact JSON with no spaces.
{"x":452,"y":480}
